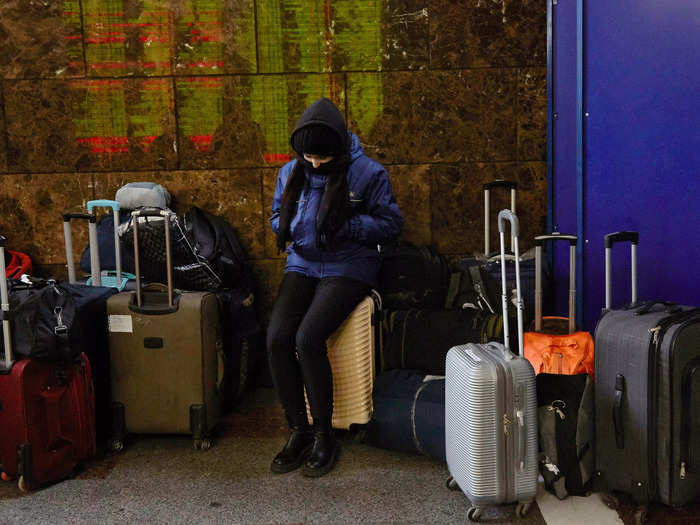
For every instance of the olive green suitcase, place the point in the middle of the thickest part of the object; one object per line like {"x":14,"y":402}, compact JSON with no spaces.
{"x":165,"y":346}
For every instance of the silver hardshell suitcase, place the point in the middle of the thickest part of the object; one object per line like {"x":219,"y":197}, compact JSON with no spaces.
{"x":491,"y":414}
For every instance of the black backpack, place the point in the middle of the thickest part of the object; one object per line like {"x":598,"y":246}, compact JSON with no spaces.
{"x":216,"y":241}
{"x":413,"y":277}
{"x":205,"y":252}
{"x":566,"y":433}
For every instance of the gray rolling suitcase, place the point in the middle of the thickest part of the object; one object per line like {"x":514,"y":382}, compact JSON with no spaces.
{"x":491,"y":414}
{"x":165,"y":352}
{"x":647,"y":396}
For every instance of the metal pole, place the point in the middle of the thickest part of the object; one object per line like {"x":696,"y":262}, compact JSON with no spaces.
{"x":168,"y":260}
{"x":572,"y":289}
{"x":94,"y":253}
{"x":117,"y":248}
{"x":5,"y":301}
{"x":487,"y":212}
{"x":538,"y":288}
{"x":608,"y":278}
{"x":137,"y":266}
{"x":504,"y":299}
{"x":67,"y":236}
{"x":634,"y":273}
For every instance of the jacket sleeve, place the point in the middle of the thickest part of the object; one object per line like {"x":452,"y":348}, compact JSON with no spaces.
{"x":277,"y":203}
{"x":383,"y":221}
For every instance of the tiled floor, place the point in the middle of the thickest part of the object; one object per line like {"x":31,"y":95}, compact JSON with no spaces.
{"x":162,"y":480}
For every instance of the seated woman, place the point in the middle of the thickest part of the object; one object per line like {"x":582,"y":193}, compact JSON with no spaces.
{"x":335,"y":205}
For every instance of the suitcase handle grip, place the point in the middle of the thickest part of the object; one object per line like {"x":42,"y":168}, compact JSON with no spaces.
{"x":556,"y":236}
{"x":612,"y":238}
{"x":510,"y":216}
{"x":151,"y":212}
{"x":670,"y":307}
{"x":501,"y":184}
{"x":102,"y":203}
{"x":617,"y":411}
{"x":522,"y":441}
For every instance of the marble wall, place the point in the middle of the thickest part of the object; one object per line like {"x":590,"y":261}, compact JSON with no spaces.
{"x":201,"y":95}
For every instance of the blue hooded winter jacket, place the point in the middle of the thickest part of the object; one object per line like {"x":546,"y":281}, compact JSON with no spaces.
{"x":353,"y":252}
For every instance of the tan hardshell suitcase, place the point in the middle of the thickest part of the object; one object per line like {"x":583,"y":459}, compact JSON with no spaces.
{"x":351,"y":352}
{"x":164,"y":348}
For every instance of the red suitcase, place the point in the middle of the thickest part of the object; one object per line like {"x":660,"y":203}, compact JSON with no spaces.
{"x":47,"y":412}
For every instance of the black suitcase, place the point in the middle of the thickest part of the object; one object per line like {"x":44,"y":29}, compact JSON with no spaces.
{"x":647,"y":396}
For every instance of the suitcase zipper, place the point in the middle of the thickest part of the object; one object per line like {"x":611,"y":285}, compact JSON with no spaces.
{"x":686,"y":414}
{"x":658,"y":332}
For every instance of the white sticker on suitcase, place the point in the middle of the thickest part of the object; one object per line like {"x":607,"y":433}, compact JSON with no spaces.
{"x":120,"y":323}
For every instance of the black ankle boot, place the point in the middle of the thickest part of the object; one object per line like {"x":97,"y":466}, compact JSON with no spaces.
{"x":295,"y":451}
{"x":323,"y":454}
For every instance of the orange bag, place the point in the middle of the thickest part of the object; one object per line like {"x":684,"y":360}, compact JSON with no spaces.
{"x":559,"y":348}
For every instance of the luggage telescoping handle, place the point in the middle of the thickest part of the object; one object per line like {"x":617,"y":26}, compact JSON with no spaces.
{"x":508,"y":215}
{"x":5,"y":301}
{"x":102,"y":203}
{"x":94,"y":247}
{"x":153,"y":212}
{"x":539,"y":242}
{"x":610,"y":239}
{"x":513,"y":186}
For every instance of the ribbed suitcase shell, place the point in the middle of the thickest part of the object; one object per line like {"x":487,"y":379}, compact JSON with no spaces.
{"x":480,"y":456}
{"x":351,"y":351}
{"x":157,"y":386}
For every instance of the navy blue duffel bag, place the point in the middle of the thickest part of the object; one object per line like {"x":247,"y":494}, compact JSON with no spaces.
{"x":409,"y":413}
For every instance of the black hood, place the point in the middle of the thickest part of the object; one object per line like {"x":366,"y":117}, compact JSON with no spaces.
{"x":323,"y":112}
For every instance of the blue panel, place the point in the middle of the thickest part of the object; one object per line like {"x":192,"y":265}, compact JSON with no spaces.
{"x":642,"y":146}
{"x":564,"y":141}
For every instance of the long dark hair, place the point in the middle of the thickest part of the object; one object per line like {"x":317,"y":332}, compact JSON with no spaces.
{"x":334,"y":209}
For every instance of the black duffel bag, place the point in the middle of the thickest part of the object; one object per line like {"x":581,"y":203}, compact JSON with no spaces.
{"x":420,"y":339}
{"x":409,"y":413}
{"x":43,"y":317}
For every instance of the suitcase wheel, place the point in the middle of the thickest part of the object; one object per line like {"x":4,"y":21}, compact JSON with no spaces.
{"x":521,"y":509}
{"x":202,"y":444}
{"x":451,"y":483}
{"x":21,"y":484}
{"x":117,"y":445}
{"x":473,"y":514}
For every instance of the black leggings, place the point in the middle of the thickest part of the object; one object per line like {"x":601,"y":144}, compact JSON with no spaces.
{"x":307,"y":311}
